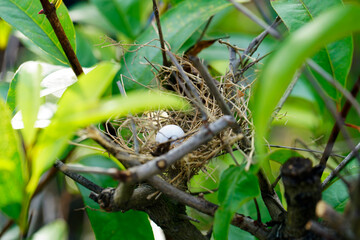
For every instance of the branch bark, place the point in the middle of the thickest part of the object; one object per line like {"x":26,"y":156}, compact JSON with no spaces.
{"x":50,"y":13}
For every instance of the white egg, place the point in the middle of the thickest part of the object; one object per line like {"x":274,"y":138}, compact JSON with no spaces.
{"x":169,"y":132}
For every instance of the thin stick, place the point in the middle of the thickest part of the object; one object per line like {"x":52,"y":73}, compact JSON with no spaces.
{"x":255,"y":43}
{"x":341,"y":166}
{"x":254,"y":18}
{"x":113,"y":172}
{"x":7,"y":226}
{"x":50,"y":13}
{"x":303,"y":149}
{"x":210,"y":82}
{"x":193,"y":91}
{"x":262,"y":12}
{"x":78,"y":178}
{"x":162,"y":41}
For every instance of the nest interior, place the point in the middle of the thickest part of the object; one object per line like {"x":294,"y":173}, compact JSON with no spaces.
{"x":137,"y":132}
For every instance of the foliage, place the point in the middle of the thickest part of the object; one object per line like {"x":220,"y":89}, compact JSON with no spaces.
{"x":320,"y":30}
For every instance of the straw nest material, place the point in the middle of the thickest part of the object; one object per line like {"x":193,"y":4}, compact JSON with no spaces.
{"x":146,"y":125}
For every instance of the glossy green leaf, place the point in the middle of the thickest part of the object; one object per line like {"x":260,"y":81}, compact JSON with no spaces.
{"x":281,"y":67}
{"x":28,"y":99}
{"x":11,"y":167}
{"x":125,"y":16}
{"x":138,"y":101}
{"x":46,"y":69}
{"x":336,"y":57}
{"x":178,"y":24}
{"x":336,"y":195}
{"x":129,"y":225}
{"x":237,"y":186}
{"x":53,"y":139}
{"x":56,"y":230}
{"x":23,"y":15}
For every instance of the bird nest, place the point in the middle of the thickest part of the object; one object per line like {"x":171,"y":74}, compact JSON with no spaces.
{"x":137,"y":132}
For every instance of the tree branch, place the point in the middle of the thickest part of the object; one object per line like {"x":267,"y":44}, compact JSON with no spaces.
{"x":50,"y":13}
{"x":341,"y":166}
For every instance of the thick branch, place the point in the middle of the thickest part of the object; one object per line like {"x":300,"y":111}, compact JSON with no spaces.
{"x":302,"y":192}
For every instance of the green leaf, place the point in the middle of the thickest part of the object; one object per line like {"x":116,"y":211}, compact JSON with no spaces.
{"x":336,"y":57}
{"x":23,"y":15}
{"x":28,"y":99}
{"x":124,"y":15}
{"x":178,"y":24}
{"x":135,"y":102}
{"x":12,"y":167}
{"x":281,"y":67}
{"x":337,"y":195}
{"x":57,"y":230}
{"x":53,"y":139}
{"x":129,"y":225}
{"x":46,"y":69}
{"x":237,"y":186}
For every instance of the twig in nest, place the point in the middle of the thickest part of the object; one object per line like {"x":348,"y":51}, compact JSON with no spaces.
{"x":161,"y":36}
{"x":193,"y":91}
{"x":162,"y":162}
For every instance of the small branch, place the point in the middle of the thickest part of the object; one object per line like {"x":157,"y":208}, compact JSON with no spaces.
{"x":261,"y":11}
{"x":115,"y":150}
{"x":159,"y":164}
{"x":50,"y":13}
{"x":210,"y":82}
{"x":339,"y":124}
{"x":78,"y":178}
{"x":255,"y":43}
{"x":161,"y":36}
{"x":254,"y":18}
{"x":270,"y":198}
{"x":286,"y":94}
{"x":132,"y":122}
{"x":192,"y":89}
{"x":341,"y":166}
{"x":6,"y":227}
{"x":113,"y":172}
{"x":303,"y":149}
